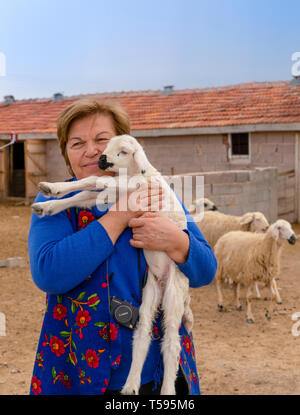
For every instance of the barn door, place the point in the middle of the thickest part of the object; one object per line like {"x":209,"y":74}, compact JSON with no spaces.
{"x":16,"y":170}
{"x":35,"y":162}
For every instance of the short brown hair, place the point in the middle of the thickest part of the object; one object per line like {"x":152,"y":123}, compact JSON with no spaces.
{"x":85,"y":107}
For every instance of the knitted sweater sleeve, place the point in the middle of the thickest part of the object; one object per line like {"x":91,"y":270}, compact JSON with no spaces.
{"x":61,"y":259}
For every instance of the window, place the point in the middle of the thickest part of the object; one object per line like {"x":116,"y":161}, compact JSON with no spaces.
{"x":240,"y":144}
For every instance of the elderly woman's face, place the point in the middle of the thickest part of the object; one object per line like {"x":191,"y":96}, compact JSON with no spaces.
{"x":87,"y":140}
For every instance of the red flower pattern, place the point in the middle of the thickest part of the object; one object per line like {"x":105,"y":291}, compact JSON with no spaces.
{"x":59,"y":312}
{"x":85,"y":218}
{"x":92,"y":358}
{"x":82,"y":318}
{"x":36,"y":385}
{"x":57,"y":346}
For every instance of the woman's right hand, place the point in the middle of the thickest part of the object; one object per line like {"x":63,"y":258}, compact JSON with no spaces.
{"x":148,"y":197}
{"x":132,"y":205}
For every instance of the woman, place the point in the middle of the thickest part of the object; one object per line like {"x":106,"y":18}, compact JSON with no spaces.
{"x":81,"y":258}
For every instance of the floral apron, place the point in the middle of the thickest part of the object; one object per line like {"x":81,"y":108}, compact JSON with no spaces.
{"x":78,"y":350}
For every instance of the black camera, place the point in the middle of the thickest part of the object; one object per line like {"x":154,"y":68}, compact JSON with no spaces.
{"x":124,"y":313}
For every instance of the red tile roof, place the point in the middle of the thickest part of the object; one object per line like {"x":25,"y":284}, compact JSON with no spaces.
{"x":242,"y":104}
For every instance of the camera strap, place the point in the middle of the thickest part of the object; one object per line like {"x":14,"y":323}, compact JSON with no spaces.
{"x":142,"y":279}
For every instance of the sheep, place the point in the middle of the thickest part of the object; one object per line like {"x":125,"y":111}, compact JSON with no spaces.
{"x":251,"y":257}
{"x":204,"y":202}
{"x":166,"y":284}
{"x":215,"y":224}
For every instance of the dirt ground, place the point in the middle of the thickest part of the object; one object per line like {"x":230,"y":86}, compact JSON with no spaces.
{"x":233,"y":357}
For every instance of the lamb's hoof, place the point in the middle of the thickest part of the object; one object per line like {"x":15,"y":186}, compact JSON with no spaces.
{"x":127,"y":390}
{"x":46,"y":189}
{"x":250,"y":320}
{"x":167,"y":391}
{"x":239,"y":308}
{"x":37,"y":209}
{"x":220,"y":307}
{"x":279,"y":302}
{"x":268,"y":317}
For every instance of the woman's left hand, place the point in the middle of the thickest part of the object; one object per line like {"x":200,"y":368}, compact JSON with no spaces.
{"x":154,"y":231}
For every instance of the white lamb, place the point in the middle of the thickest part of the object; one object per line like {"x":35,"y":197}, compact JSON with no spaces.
{"x":166,"y":284}
{"x":251,"y":257}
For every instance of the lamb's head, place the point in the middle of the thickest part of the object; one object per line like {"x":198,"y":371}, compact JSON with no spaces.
{"x":254,"y":222}
{"x":202,"y":202}
{"x":281,"y":230}
{"x":124,"y":151}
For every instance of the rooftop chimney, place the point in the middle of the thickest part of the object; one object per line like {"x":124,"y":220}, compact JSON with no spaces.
{"x":9,"y":99}
{"x":168,"y":89}
{"x":57,"y":96}
{"x":295,"y":81}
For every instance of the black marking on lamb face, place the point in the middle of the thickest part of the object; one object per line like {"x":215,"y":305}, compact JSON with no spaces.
{"x":103,"y":164}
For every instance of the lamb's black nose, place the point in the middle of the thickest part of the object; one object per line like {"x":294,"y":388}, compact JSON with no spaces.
{"x":102,"y":163}
{"x":292,"y":240}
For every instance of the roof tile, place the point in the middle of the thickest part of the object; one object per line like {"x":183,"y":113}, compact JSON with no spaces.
{"x":250,"y":103}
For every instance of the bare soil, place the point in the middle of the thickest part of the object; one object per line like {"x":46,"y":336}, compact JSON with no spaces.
{"x":233,"y":357}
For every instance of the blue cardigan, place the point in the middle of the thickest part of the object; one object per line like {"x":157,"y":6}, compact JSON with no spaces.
{"x":82,"y":349}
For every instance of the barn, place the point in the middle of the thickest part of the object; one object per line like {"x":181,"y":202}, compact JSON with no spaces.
{"x":221,"y":130}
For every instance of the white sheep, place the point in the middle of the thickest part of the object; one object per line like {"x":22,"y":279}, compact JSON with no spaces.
{"x":215,"y":224}
{"x":166,"y":284}
{"x":251,"y":257}
{"x":203,"y":203}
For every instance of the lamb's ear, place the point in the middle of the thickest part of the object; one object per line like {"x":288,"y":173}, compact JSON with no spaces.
{"x":246,"y":219}
{"x":275,"y":233}
{"x":141,"y":160}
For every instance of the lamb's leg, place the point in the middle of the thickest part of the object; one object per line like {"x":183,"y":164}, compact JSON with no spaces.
{"x":173,"y":308}
{"x":269,"y":313}
{"x":188,"y":318}
{"x":84,"y":200}
{"x":257,"y":290}
{"x":142,"y":334}
{"x":237,"y":287}
{"x":60,"y":189}
{"x":220,"y":296}
{"x":278,"y":298}
{"x":250,"y":318}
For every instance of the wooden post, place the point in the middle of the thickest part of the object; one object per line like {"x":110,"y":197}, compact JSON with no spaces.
{"x":3,"y":170}
{"x":297,"y":176}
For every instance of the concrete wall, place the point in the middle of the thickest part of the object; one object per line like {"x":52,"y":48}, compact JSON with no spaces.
{"x":210,"y":152}
{"x":237,"y":192}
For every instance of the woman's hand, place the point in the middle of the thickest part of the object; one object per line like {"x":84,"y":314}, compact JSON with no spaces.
{"x":156,"y":232}
{"x":132,"y":205}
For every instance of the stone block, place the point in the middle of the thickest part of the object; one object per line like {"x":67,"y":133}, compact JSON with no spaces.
{"x":227,"y":188}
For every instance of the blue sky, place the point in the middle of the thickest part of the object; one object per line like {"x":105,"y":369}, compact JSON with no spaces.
{"x":76,"y":46}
